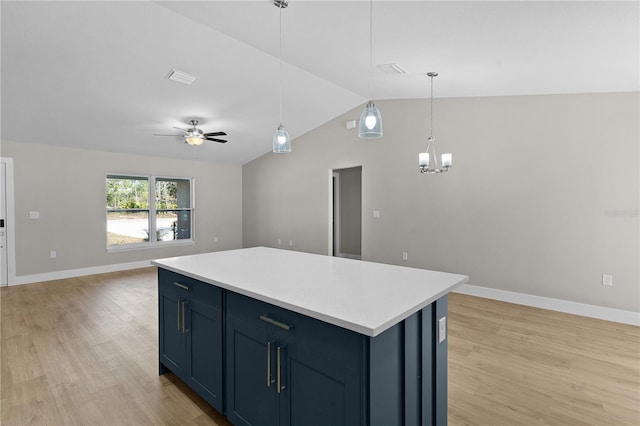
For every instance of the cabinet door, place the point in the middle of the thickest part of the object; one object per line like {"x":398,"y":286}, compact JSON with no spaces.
{"x":172,"y":340}
{"x":250,"y":393}
{"x":204,"y":351}
{"x":323,"y":385}
{"x":316,"y":368}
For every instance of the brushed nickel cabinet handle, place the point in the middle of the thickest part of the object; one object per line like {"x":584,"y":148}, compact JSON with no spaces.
{"x":271,"y":321}
{"x":179,"y":315}
{"x":278,"y":372}
{"x":184,"y":308}
{"x":182,"y":286}
{"x":268,"y":364}
{"x":184,"y":304}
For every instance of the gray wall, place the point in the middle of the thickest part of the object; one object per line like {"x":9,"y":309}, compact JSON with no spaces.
{"x":542,"y":198}
{"x":67,"y":187}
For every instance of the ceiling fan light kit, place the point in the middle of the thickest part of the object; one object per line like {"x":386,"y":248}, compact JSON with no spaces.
{"x":195,"y":136}
{"x":194,"y":140}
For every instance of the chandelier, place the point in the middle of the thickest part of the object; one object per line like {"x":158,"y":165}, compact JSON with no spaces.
{"x":428,"y":160}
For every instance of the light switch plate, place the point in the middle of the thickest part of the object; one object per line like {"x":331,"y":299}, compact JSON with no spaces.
{"x":34,"y":215}
{"x":442,"y":329}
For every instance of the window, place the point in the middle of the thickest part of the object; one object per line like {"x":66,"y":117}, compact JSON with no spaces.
{"x":133,"y":221}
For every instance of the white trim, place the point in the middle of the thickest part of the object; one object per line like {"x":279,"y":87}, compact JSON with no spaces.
{"x":349,"y":256}
{"x":148,"y":245}
{"x":330,"y":220}
{"x":335,"y":213}
{"x":72,"y":273}
{"x":583,"y":309}
{"x":11,"y":218}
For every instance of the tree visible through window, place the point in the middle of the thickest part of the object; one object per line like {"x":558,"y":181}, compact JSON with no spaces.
{"x":132,"y":219}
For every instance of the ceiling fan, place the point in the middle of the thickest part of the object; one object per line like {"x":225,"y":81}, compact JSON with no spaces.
{"x":195,"y":136}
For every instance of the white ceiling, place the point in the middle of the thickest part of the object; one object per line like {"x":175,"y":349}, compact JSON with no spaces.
{"x":92,"y":74}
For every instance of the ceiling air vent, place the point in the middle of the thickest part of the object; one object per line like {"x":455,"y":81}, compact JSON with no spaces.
{"x":391,"y":69}
{"x":181,"y":77}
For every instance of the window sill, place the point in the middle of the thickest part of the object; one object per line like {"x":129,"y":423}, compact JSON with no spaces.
{"x":147,"y":246}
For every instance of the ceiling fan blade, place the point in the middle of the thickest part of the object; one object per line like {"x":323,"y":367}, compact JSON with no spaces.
{"x":215,"y":134}
{"x":215,"y":140}
{"x":186,"y":131}
{"x":175,"y":136}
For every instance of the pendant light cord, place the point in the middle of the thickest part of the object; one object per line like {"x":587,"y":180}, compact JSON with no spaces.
{"x":431,"y":135}
{"x":280,"y":46}
{"x":370,"y":49}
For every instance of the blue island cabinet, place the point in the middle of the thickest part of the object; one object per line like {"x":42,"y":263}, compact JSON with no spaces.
{"x":278,"y":367}
{"x":284,"y":368}
{"x":190,"y":334}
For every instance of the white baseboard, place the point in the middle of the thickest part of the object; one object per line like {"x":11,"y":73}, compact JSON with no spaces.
{"x":349,"y":256}
{"x":583,"y":309}
{"x":71,"y":273}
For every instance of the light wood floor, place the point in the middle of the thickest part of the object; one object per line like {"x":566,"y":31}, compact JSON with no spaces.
{"x":84,"y":351}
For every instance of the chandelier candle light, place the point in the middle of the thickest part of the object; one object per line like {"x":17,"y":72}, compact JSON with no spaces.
{"x":428,"y":160}
{"x":281,"y":139}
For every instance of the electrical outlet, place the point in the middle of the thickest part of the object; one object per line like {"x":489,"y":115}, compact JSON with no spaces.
{"x":34,"y":215}
{"x":290,"y":243}
{"x":607,"y":279}
{"x":279,"y":242}
{"x":442,"y":329}
{"x":53,"y":254}
{"x":405,"y":255}
{"x":215,"y":239}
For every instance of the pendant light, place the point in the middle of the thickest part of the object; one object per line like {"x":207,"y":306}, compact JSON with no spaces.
{"x":428,"y":160}
{"x":281,"y":139}
{"x":370,"y":120}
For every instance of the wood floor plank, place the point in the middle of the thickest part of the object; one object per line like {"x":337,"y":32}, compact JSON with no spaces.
{"x":83,"y":351}
{"x":517,"y":365}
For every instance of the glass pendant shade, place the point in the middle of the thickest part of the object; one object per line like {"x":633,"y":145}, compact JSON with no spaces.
{"x":281,"y":140}
{"x":370,"y":122}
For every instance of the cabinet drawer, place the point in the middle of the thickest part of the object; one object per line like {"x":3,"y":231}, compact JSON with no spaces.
{"x":184,"y":286}
{"x":315,"y":337}
{"x":247,"y":308}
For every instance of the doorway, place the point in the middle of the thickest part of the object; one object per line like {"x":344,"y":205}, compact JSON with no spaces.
{"x":4,"y":276}
{"x":7,"y":273}
{"x":346,"y":212}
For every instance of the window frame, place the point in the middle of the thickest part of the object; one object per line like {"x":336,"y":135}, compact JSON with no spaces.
{"x":153,"y":242}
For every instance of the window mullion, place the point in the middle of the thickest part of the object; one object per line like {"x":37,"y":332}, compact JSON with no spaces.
{"x":153,"y":234}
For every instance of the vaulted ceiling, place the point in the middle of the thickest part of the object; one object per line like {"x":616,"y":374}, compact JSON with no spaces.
{"x":92,"y":74}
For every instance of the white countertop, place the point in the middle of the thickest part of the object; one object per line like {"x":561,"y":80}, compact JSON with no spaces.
{"x":364,"y":297}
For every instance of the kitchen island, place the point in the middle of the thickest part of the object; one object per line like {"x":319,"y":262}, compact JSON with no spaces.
{"x":277,"y":337}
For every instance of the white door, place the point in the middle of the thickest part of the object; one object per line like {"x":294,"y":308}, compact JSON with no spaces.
{"x":3,"y":225}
